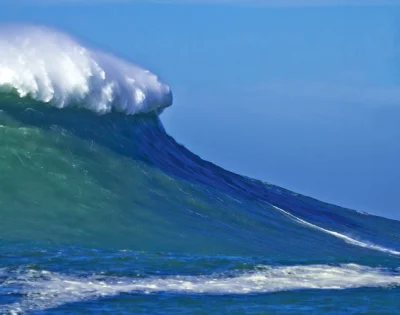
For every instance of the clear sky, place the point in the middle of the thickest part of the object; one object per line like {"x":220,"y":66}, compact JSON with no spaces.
{"x":301,"y":95}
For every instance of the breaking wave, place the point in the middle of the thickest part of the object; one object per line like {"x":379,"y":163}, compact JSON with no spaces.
{"x":100,"y":206}
{"x":54,"y":68}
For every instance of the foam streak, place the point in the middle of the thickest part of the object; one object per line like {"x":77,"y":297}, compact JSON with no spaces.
{"x":47,"y":290}
{"x":343,"y":237}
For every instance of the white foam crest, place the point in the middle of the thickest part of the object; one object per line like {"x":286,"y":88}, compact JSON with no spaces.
{"x":51,"y":67}
{"x":48,"y":290}
{"x":343,"y":237}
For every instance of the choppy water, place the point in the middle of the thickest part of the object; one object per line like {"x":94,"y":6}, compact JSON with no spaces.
{"x":107,"y":214}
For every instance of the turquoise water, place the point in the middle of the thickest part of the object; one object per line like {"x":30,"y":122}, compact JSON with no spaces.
{"x":107,"y":214}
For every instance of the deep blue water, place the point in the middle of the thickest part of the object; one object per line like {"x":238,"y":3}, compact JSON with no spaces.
{"x":110,"y":215}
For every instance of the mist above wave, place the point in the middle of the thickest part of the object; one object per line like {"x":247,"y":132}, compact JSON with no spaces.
{"x":54,"y":68}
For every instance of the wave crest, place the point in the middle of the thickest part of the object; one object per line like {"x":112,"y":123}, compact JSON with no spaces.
{"x":52,"y":67}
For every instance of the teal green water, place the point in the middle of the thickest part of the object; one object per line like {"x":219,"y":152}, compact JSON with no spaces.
{"x":108,"y":214}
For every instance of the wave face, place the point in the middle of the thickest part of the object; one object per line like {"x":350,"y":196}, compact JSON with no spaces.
{"x":109,"y":214}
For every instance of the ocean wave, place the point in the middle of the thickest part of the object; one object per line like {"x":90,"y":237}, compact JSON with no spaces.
{"x":54,"y":68}
{"x":45,"y":289}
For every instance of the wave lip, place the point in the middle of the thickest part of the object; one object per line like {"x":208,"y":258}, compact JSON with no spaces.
{"x":52,"y":67}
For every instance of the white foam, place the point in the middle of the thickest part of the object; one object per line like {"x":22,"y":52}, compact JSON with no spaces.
{"x":46,"y":290}
{"x":343,"y":237}
{"x":52,"y":67}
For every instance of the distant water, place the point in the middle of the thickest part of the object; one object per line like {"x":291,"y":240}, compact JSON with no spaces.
{"x":102,"y":212}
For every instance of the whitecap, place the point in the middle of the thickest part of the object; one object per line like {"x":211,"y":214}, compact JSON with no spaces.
{"x":54,"y":68}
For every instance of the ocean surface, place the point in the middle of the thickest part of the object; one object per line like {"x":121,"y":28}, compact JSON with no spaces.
{"x":102,"y":212}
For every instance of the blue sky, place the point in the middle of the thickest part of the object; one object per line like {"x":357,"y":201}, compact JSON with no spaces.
{"x":302,"y":94}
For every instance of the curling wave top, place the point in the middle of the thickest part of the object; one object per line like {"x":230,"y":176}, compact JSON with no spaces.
{"x":52,"y":67}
